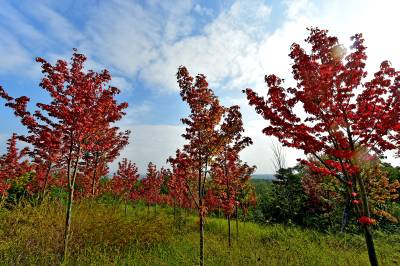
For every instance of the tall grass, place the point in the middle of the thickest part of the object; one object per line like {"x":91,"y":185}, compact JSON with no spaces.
{"x":103,"y":235}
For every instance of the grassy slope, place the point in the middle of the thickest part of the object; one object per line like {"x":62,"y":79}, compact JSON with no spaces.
{"x":103,"y":235}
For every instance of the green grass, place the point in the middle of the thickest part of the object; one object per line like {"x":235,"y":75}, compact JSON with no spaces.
{"x":104,"y":235}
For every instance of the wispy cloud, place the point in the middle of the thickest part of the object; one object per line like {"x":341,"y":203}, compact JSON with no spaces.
{"x":55,"y":28}
{"x":123,"y":35}
{"x":14,"y":56}
{"x":222,"y":51}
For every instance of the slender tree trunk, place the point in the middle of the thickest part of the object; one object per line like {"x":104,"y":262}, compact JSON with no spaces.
{"x":174,"y":211}
{"x":229,"y":196}
{"x":346,"y":213}
{"x":200,"y":210}
{"x":46,"y":181}
{"x":229,"y":230}
{"x":201,"y":239}
{"x":68,"y":222}
{"x":2,"y":200}
{"x":370,"y":245}
{"x":125,"y":206}
{"x":94,"y":175}
{"x":367,"y":228}
{"x":69,"y":208}
{"x":237,"y":223}
{"x":71,"y":187}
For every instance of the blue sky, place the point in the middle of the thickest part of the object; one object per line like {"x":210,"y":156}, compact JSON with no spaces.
{"x":235,"y":43}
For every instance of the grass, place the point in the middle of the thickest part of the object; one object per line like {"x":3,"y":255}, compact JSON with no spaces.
{"x":104,"y":235}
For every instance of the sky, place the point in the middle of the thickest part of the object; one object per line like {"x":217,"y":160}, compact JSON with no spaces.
{"x":142,"y":43}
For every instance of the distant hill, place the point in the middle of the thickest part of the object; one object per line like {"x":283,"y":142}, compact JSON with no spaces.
{"x":258,"y":176}
{"x":263,"y":176}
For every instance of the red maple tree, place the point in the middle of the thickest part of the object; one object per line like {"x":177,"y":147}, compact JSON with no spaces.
{"x":178,"y":188}
{"x":204,"y":140}
{"x":345,"y":120}
{"x":81,"y":106}
{"x":107,"y":144}
{"x":226,"y":169}
{"x":125,"y":181}
{"x":150,"y":190}
{"x":12,"y":165}
{"x":44,"y":138}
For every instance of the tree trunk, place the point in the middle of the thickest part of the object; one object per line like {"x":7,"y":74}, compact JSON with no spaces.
{"x":229,"y":230}
{"x":94,"y":175}
{"x":71,"y":188}
{"x":367,"y":228}
{"x":201,"y":240}
{"x":200,"y":210}
{"x":370,"y":245}
{"x":174,"y":211}
{"x":237,"y":223}
{"x":46,"y":181}
{"x":68,"y":222}
{"x":346,"y":213}
{"x":2,"y":200}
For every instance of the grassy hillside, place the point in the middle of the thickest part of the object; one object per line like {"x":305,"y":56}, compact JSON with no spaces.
{"x":104,"y":235}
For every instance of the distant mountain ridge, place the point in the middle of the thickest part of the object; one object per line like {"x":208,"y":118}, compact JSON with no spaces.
{"x":257,"y":176}
{"x":263,"y":176}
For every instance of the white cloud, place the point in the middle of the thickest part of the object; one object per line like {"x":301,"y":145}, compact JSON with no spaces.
{"x":127,"y":37}
{"x":375,"y":19}
{"x":134,"y":113}
{"x":260,"y":153}
{"x":123,"y":35}
{"x":179,"y":22}
{"x":224,"y":51}
{"x":151,"y":143}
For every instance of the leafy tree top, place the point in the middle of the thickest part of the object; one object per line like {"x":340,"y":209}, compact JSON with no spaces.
{"x":345,"y":117}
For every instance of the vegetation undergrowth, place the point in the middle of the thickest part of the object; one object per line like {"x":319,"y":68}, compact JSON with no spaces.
{"x":103,"y":234}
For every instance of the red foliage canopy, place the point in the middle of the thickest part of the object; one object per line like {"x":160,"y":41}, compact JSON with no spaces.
{"x":150,"y":191}
{"x":76,"y":120}
{"x":11,"y":166}
{"x":227,"y":169}
{"x":125,"y":181}
{"x":344,"y":117}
